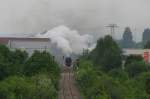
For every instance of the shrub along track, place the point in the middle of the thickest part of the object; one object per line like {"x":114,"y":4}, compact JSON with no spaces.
{"x":68,"y":90}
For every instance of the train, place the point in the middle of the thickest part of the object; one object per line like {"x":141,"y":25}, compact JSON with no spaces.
{"x":68,"y":61}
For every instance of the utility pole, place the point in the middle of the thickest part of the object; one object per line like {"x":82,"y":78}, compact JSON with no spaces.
{"x":112,"y":29}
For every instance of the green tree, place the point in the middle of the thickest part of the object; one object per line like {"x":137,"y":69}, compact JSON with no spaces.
{"x":127,"y":41}
{"x":36,"y":87}
{"x":4,"y":54}
{"x":17,"y":61}
{"x":133,"y":58}
{"x":97,"y":86}
{"x":11,"y":62}
{"x":107,"y":54}
{"x":136,"y":68}
{"x":134,"y":89}
{"x":24,"y":77}
{"x":4,"y":70}
{"x":18,"y":57}
{"x":146,"y":35}
{"x":41,"y":62}
{"x":147,"y":45}
{"x":144,"y":80}
{"x":119,"y":75}
{"x":115,"y":84}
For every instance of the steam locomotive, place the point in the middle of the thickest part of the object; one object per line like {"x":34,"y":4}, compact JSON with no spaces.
{"x":68,"y":61}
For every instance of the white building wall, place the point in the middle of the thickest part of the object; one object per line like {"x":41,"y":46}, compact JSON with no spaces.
{"x":128,"y":52}
{"x":30,"y":46}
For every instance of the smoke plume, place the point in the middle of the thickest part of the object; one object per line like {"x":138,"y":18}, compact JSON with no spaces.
{"x":67,"y":40}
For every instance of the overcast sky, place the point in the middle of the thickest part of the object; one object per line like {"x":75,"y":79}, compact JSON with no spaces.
{"x":85,"y":16}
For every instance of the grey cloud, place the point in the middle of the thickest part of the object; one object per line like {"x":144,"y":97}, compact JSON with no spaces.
{"x":86,"y":16}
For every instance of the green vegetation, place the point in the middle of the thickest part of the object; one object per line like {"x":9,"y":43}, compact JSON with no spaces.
{"x":146,"y":35}
{"x":127,"y":39}
{"x":147,"y":45}
{"x":101,"y":78}
{"x":107,"y":54}
{"x":132,"y":58}
{"x":23,"y":77}
{"x":136,"y":68}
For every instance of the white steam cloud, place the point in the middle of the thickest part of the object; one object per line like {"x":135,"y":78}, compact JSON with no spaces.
{"x":69,"y":41}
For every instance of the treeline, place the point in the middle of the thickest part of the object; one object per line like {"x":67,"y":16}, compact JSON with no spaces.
{"x":101,"y":74}
{"x":24,"y":77}
{"x":128,"y":42}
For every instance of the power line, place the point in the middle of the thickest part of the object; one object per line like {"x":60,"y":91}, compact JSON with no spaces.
{"x":112,"y":29}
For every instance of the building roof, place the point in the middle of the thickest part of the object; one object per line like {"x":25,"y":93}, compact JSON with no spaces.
{"x":5,"y":40}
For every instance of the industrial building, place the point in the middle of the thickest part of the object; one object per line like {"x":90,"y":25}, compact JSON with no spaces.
{"x":27,"y":44}
{"x":145,"y":53}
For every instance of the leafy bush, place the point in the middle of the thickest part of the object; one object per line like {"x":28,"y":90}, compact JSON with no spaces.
{"x":45,"y":88}
{"x":4,"y":70}
{"x":119,"y":75}
{"x":132,"y":58}
{"x":11,"y":62}
{"x":41,"y":62}
{"x":4,"y":54}
{"x":144,"y":80}
{"x":24,"y":77}
{"x":95,"y":84}
{"x":38,"y":87}
{"x":135,"y":68}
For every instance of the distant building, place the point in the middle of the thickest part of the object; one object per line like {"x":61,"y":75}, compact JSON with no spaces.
{"x":32,"y":44}
{"x":27,"y":44}
{"x":145,"y":53}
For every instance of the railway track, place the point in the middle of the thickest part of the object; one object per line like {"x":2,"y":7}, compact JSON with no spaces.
{"x":68,"y":90}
